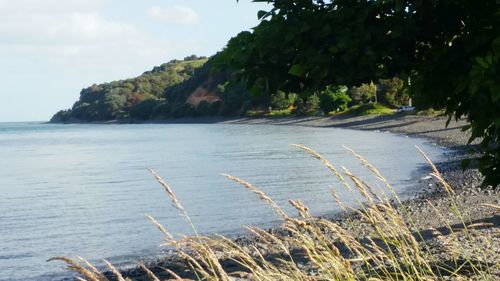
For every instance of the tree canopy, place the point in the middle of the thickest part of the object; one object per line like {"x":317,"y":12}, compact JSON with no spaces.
{"x":334,"y":99}
{"x":446,"y":51}
{"x":163,"y":92}
{"x":135,"y":97}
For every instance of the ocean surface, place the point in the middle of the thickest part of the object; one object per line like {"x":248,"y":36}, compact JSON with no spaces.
{"x":68,"y":190}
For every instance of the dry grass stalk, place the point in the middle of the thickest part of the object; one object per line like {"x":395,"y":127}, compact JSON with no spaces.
{"x":263,"y":196}
{"x":149,"y":273}
{"x":337,"y":199}
{"x":391,"y":252}
{"x":174,"y":275}
{"x":435,"y":172}
{"x":74,"y":266}
{"x":493,"y":206}
{"x":367,"y":164}
{"x":169,"y":237}
{"x":480,"y":225}
{"x":327,"y":163}
{"x":89,"y":266}
{"x":115,"y":271}
{"x":174,"y":200}
{"x":170,"y":192}
{"x":303,"y":210}
{"x":358,"y":184}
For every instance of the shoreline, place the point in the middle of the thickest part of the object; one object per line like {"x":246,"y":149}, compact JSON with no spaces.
{"x":395,"y":123}
{"x":431,"y":128}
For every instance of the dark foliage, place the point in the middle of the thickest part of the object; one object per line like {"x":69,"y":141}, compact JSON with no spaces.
{"x":448,"y":50}
{"x":334,"y":99}
{"x":131,"y":98}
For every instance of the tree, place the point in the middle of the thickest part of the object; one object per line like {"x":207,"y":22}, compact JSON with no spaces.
{"x":280,"y":101}
{"x":334,"y":99}
{"x":392,"y":92}
{"x":119,"y":99}
{"x":206,"y":108}
{"x":306,"y":106}
{"x":312,"y":105}
{"x":144,"y":109}
{"x":363,"y":94}
{"x":112,"y":105}
{"x":162,"y":110}
{"x":449,"y":50}
{"x":236,"y":99}
{"x":191,"y":57}
{"x":134,"y":99}
{"x":183,"y":110}
{"x":61,"y":116}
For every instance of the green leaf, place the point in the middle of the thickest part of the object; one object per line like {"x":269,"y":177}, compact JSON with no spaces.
{"x":298,"y":70}
{"x":263,"y":14}
{"x":466,"y":127}
{"x":333,"y":49}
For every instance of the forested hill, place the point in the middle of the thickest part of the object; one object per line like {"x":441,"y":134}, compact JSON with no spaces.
{"x":175,"y":89}
{"x":192,"y":88}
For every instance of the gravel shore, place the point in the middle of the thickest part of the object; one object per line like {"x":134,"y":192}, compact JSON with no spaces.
{"x":486,"y":235}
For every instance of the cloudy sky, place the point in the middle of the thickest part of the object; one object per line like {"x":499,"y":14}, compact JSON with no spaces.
{"x":51,"y":49}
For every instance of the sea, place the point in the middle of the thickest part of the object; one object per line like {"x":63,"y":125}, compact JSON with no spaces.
{"x":85,"y":189}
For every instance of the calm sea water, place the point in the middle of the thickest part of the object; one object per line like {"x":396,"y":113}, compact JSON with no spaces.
{"x":84,"y":189}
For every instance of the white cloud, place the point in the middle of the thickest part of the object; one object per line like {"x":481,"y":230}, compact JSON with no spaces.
{"x":49,"y":6}
{"x":72,"y":32}
{"x":175,"y":14}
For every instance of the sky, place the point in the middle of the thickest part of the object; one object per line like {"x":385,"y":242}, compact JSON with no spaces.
{"x":51,"y":49}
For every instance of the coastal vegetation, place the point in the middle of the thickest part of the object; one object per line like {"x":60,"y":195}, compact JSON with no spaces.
{"x":447,"y":54}
{"x":312,"y":248}
{"x":369,"y":109}
{"x":192,"y":88}
{"x":139,"y":97}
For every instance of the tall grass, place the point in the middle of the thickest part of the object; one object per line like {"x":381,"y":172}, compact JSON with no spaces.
{"x":369,"y":109}
{"x":310,"y":248}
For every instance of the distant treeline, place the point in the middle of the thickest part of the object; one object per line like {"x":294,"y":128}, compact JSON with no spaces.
{"x":192,"y":87}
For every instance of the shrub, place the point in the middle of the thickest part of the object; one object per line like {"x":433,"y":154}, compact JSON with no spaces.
{"x":61,"y":116}
{"x":362,"y":94}
{"x":312,"y":105}
{"x":144,"y":109}
{"x":206,"y":108}
{"x":162,"y":110}
{"x":392,"y":92}
{"x":280,"y":100}
{"x":334,"y":99}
